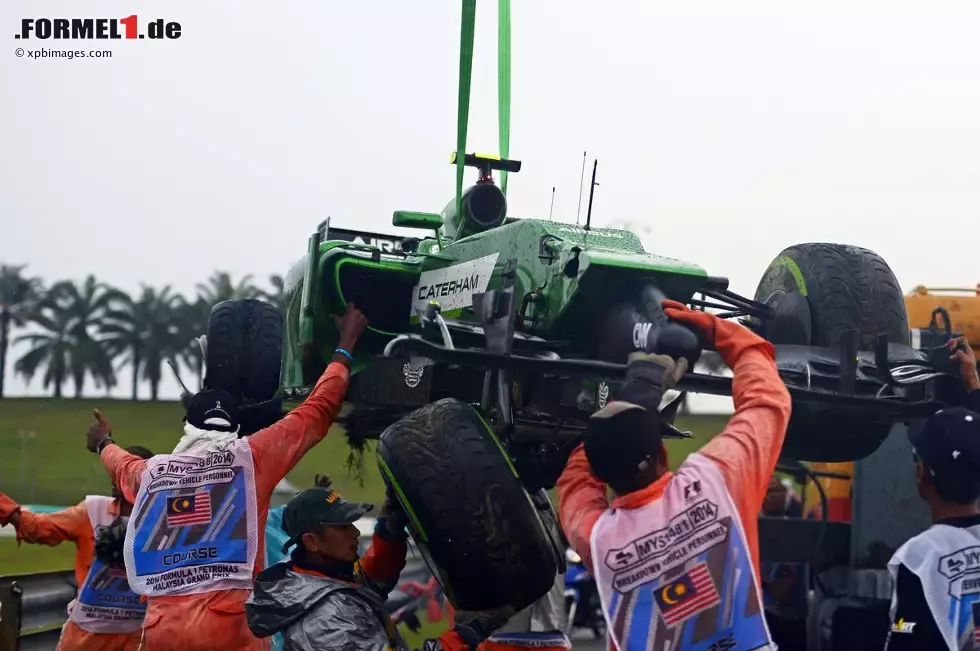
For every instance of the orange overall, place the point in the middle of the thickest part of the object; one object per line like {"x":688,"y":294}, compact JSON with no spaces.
{"x":745,"y":453}
{"x":215,"y":621}
{"x":73,"y":525}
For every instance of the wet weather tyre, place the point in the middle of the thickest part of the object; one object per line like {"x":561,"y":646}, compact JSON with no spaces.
{"x":225,"y":341}
{"x":472,"y":519}
{"x":846,"y":288}
{"x":263,"y":351}
{"x":819,"y":292}
{"x":244,"y":349}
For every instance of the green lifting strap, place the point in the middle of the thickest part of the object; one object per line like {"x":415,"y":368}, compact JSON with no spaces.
{"x":465,"y":83}
{"x":465,"y":77}
{"x":503,"y":83}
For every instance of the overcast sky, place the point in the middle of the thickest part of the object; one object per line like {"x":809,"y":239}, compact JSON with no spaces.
{"x":728,"y":130}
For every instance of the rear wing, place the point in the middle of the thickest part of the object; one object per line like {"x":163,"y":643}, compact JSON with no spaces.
{"x":385,"y":243}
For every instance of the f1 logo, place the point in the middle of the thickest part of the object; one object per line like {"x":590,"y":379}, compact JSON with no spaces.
{"x":692,"y":490}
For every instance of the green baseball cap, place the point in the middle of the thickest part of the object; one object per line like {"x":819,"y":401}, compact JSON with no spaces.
{"x":315,"y":506}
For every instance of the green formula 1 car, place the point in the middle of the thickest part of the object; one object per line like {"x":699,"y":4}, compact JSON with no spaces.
{"x":492,"y":338}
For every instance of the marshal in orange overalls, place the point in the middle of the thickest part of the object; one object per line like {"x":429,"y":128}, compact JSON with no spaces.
{"x":70,"y":525}
{"x":662,"y":563}
{"x":215,"y":621}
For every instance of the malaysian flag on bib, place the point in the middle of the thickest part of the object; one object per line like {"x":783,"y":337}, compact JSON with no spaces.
{"x":187,"y":510}
{"x":687,"y":595}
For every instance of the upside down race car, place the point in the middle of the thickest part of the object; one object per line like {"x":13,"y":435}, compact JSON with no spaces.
{"x":492,"y":338}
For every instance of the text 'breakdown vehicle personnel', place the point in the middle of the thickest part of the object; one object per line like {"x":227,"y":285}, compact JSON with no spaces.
{"x":674,"y":553}
{"x":92,"y":624}
{"x":197,"y":533}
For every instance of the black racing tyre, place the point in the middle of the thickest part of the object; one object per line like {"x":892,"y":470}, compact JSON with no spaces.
{"x":846,"y":288}
{"x":473,"y":521}
{"x":244,"y":349}
{"x":263,"y":351}
{"x":225,"y":342}
{"x":819,"y":292}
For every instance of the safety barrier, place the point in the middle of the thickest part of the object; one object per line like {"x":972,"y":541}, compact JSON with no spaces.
{"x":33,"y":608}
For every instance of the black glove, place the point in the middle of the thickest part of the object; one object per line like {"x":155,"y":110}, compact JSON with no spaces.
{"x":392,"y":520}
{"x":475,"y":626}
{"x":648,"y":376}
{"x":661,"y":371}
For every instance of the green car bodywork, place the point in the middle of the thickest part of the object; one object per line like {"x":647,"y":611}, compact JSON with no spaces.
{"x":564,"y":274}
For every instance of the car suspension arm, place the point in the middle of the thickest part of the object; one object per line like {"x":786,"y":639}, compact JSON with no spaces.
{"x":415,"y":346}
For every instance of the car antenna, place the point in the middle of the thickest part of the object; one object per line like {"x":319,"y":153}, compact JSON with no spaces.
{"x":581,"y":181}
{"x":588,"y":216}
{"x":173,"y":367}
{"x":552,"y":211}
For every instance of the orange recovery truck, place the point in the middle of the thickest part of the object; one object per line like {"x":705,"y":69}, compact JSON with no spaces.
{"x":940,"y":310}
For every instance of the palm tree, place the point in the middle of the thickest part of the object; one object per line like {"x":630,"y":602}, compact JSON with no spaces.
{"x":144,"y":333}
{"x":124,"y":338}
{"x":18,"y":294}
{"x":277,"y":296}
{"x":220,"y":287}
{"x":50,"y":349}
{"x":193,"y":321}
{"x":164,"y":335}
{"x":70,"y":315}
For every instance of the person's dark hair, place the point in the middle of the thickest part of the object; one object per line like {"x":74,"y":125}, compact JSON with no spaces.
{"x":954,"y":491}
{"x":140,"y":451}
{"x":299,"y":552}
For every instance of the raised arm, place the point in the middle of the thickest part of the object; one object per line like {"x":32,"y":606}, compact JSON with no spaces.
{"x":962,"y":353}
{"x":581,"y":500}
{"x":124,"y":469}
{"x":277,"y":449}
{"x":44,"y":528}
{"x":385,"y":558}
{"x":747,"y":449}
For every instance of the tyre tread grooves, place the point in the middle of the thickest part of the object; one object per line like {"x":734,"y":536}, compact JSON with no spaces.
{"x":483,"y":530}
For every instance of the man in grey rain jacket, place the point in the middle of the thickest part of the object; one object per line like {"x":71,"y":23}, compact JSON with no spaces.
{"x":325,"y":597}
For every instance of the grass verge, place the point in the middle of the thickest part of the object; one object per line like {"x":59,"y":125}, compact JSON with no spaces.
{"x":49,"y":464}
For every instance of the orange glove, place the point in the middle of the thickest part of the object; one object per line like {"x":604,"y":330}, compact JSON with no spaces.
{"x":730,"y":338}
{"x":7,"y":508}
